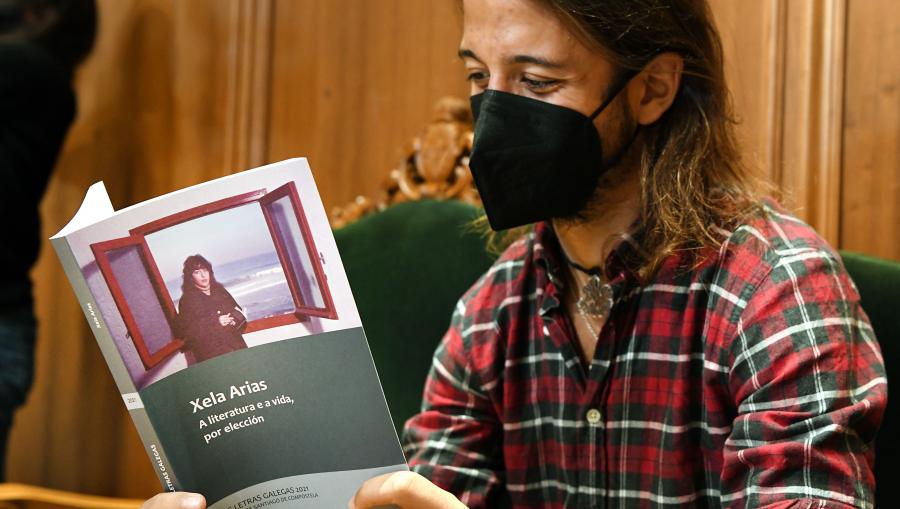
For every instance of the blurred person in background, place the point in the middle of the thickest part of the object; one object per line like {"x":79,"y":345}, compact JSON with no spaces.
{"x":42,"y":42}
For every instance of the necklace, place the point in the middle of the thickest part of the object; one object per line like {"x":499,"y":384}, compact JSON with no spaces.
{"x":595,"y":299}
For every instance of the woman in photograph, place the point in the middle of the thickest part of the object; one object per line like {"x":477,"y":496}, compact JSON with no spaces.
{"x":209,"y":319}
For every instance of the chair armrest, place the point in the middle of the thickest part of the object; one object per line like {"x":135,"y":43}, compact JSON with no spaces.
{"x":27,"y":493}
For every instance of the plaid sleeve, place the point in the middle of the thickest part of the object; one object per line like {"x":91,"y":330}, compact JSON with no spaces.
{"x":808,"y":382}
{"x":455,"y":440}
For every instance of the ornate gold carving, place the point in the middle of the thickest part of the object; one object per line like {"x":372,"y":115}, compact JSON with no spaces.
{"x":436,"y":166}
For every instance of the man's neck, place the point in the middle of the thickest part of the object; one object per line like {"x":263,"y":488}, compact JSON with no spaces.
{"x":612,"y":212}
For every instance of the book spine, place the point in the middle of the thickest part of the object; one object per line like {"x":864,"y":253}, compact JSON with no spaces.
{"x":167,"y":478}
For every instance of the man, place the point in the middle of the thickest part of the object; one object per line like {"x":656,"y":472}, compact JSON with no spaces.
{"x":661,"y":336}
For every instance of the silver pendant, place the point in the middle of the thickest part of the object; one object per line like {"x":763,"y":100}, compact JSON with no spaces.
{"x":596,"y":298}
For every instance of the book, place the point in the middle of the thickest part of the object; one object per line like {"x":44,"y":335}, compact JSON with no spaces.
{"x":227,"y":321}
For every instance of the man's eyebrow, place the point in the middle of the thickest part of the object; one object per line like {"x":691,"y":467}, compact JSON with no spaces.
{"x":467,"y":53}
{"x":530,"y":59}
{"x":518,"y":59}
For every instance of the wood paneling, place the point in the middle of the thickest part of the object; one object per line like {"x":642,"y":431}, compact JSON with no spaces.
{"x":178,"y":92}
{"x":784,"y":64}
{"x":750,"y":39}
{"x":812,"y":111}
{"x":354,"y":80}
{"x":870,"y":213}
{"x":247,"y":128}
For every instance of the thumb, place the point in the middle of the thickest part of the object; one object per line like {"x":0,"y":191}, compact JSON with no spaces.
{"x":176,"y":500}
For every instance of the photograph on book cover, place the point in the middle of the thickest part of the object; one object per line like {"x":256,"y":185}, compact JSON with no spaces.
{"x":214,"y":269}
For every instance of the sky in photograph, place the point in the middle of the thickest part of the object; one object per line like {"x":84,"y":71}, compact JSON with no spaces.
{"x":222,"y":237}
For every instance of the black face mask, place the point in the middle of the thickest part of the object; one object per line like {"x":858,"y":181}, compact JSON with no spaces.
{"x":533,"y":160}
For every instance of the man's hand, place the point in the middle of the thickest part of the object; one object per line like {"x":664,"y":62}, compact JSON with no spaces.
{"x":176,"y":500}
{"x":406,"y":490}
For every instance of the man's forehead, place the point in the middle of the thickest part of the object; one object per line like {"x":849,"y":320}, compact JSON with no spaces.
{"x":518,"y":39}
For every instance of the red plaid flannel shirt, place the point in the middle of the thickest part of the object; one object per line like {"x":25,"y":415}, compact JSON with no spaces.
{"x":753,"y":380}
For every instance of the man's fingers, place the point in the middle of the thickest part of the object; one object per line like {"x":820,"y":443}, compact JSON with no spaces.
{"x":176,"y":500}
{"x":381,"y":490}
{"x":404,"y":489}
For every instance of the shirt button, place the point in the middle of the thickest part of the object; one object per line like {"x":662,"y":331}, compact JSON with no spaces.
{"x":593,"y":416}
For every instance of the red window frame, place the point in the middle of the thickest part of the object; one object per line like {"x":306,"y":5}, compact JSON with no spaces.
{"x":101,"y":250}
{"x":137,"y":235}
{"x":290,"y":191}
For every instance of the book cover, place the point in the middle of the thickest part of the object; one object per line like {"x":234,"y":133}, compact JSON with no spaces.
{"x":228,"y":324}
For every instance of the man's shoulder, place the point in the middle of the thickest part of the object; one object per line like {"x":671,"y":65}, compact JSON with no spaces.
{"x":768,"y":243}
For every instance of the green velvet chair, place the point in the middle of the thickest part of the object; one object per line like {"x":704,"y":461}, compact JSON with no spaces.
{"x":878,"y":282}
{"x":407,"y":266}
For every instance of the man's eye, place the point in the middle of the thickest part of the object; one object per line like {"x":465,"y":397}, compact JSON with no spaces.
{"x":539,"y":85}
{"x":477,"y":76}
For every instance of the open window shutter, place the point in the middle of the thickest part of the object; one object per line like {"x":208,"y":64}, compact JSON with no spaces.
{"x":297,"y":251}
{"x":145,"y":307}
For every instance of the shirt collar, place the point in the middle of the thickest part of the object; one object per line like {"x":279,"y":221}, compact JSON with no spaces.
{"x":620,"y":267}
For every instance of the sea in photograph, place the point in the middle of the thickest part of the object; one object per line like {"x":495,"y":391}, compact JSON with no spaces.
{"x":257,"y":283}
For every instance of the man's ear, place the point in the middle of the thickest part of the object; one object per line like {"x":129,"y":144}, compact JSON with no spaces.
{"x":657,"y":86}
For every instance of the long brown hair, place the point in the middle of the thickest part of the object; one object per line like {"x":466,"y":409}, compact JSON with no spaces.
{"x":192,"y":263}
{"x":692,"y":176}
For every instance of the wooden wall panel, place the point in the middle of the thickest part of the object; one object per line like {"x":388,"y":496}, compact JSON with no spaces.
{"x":870,"y":215}
{"x":812,"y":111}
{"x":354,"y":80}
{"x":784,"y":63}
{"x":750,"y":32}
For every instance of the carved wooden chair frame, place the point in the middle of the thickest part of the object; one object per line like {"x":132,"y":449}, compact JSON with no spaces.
{"x":435,"y":166}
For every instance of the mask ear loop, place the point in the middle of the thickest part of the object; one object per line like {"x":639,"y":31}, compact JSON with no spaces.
{"x":625,"y":80}
{"x":616,"y":159}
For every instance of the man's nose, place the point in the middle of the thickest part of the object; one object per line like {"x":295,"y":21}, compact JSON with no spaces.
{"x":500,"y":82}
